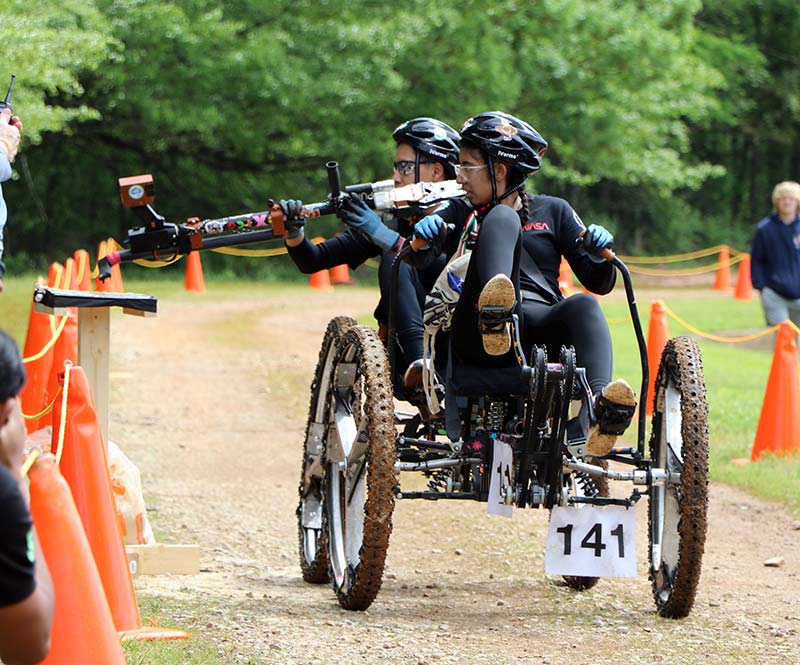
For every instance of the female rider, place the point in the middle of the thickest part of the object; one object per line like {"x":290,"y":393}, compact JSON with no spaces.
{"x":427,"y":151}
{"x":515,"y":262}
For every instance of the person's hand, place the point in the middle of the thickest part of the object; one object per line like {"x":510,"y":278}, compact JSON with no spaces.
{"x":357,"y":215}
{"x":12,"y":436}
{"x":293,"y":220}
{"x":433,"y":231}
{"x":596,"y":239}
{"x":9,"y":133}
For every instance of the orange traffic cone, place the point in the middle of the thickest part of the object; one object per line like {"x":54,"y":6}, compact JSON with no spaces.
{"x":42,"y":328}
{"x":341,"y":274}
{"x":106,"y":286}
{"x":320,"y":280}
{"x":778,"y":429}
{"x":657,"y":338}
{"x":116,"y":271}
{"x":193,"y":280}
{"x":723,"y":278}
{"x":54,"y":275}
{"x":744,"y":287}
{"x":84,"y":465}
{"x":38,"y":363}
{"x":83,"y":276}
{"x":65,"y":348}
{"x":565,"y":281}
{"x":83,"y":630}
{"x":70,"y":274}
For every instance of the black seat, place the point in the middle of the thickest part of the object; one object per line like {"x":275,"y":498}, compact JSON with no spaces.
{"x":467,"y":380}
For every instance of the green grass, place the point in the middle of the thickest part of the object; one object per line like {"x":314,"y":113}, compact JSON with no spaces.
{"x":198,"y":649}
{"x":736,"y":379}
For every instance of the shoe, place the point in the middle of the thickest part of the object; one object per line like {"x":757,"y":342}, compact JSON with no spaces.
{"x":495,"y":303}
{"x":613,"y":412}
{"x":413,"y":377}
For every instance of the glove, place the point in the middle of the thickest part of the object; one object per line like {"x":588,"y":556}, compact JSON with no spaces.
{"x":433,"y":231}
{"x":292,"y":220}
{"x":596,"y":239}
{"x":357,"y":215}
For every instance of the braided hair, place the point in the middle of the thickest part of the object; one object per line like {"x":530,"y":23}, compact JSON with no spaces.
{"x":525,"y":210}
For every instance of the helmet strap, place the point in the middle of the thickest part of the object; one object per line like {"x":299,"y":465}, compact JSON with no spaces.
{"x":513,"y":189}
{"x":416,"y":165}
{"x":490,"y":163}
{"x":495,"y":198}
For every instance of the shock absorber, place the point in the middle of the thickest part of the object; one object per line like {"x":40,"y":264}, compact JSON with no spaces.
{"x":586,"y":484}
{"x":495,"y":415}
{"x":438,"y":481}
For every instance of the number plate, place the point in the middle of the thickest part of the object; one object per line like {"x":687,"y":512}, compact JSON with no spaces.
{"x":591,"y":541}
{"x":500,"y":480}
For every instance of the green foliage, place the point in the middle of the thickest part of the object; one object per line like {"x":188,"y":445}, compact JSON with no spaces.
{"x":48,"y":45}
{"x":229,"y":104}
{"x":752,"y":43}
{"x":613,"y":85}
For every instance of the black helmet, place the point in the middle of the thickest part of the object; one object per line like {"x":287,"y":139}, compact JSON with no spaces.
{"x":431,"y":137}
{"x":507,"y":139}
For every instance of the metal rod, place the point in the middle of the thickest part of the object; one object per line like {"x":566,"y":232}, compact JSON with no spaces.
{"x":472,"y":496}
{"x":423,"y":443}
{"x":637,"y":326}
{"x":436,"y":464}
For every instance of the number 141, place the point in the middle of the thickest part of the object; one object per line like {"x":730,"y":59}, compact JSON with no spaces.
{"x":593,"y":540}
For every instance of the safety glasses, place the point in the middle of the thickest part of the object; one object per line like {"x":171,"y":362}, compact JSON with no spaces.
{"x":406,"y":166}
{"x":466,"y":172}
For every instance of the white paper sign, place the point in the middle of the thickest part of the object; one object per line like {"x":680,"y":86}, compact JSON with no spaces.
{"x":591,"y":541}
{"x":502,"y":459}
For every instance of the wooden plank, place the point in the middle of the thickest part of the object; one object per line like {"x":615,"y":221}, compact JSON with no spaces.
{"x":162,"y":559}
{"x":94,"y":332}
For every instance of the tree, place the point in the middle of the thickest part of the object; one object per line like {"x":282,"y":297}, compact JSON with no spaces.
{"x":229,"y":104}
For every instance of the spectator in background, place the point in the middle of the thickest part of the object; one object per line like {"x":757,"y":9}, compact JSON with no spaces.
{"x":10,"y":129}
{"x":775,"y":256}
{"x":26,"y":591}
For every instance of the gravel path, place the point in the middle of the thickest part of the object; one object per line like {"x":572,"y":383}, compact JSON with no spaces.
{"x":209,"y":400}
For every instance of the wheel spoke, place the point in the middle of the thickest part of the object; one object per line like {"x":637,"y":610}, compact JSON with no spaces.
{"x":313,"y":548}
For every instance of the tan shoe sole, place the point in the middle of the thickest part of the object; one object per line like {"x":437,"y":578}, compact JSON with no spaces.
{"x":498,"y":292}
{"x":597,"y":443}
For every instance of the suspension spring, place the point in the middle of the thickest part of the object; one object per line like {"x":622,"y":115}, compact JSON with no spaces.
{"x":586,"y":484}
{"x":438,"y":480}
{"x":495,"y":416}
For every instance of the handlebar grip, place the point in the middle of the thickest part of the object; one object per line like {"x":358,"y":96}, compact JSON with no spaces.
{"x":104,"y":267}
{"x":334,"y":182}
{"x":418,"y":243}
{"x":607,"y":254}
{"x":277,"y":220}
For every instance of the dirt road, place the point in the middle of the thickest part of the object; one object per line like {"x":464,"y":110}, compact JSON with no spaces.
{"x":209,"y":399}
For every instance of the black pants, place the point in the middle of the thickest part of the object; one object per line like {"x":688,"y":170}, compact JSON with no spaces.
{"x":412,"y":286}
{"x":577,"y":321}
{"x":497,"y":250}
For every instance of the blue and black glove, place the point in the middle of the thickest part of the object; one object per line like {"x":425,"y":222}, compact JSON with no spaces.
{"x":595,"y":240}
{"x":292,"y":219}
{"x":433,"y":230}
{"x":357,"y":215}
